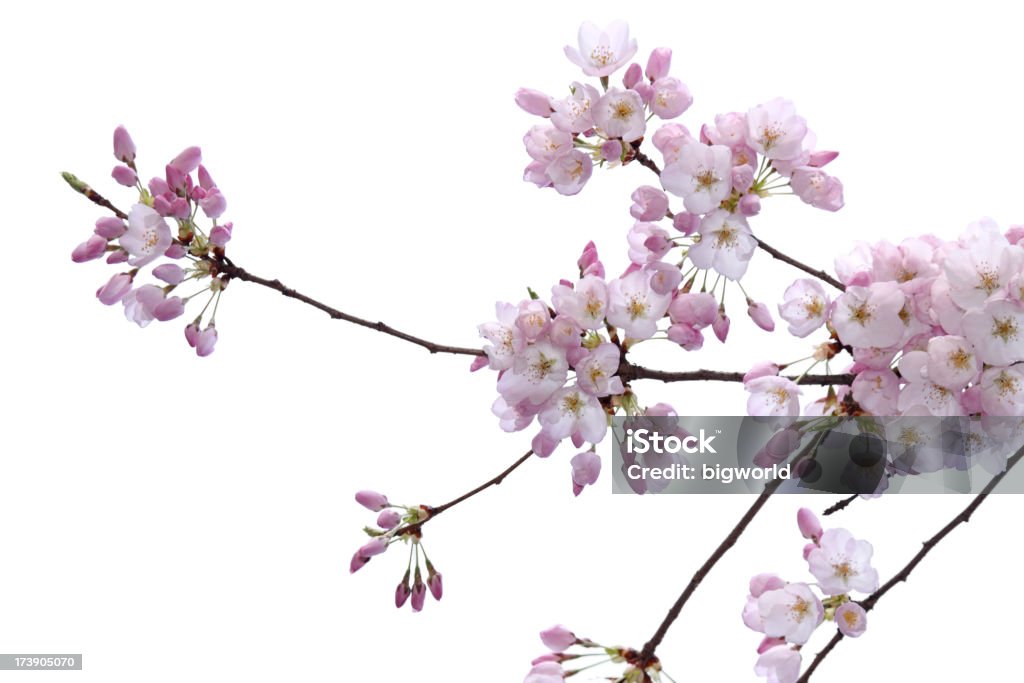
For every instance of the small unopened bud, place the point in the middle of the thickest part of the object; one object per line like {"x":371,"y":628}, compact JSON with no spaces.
{"x":371,"y":500}
{"x":658,"y":63}
{"x":810,"y":527}
{"x":759,"y":313}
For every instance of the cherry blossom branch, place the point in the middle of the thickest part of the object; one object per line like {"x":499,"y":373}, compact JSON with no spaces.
{"x":647,"y":162}
{"x":91,"y":194}
{"x":628,"y":371}
{"x":820,"y":274}
{"x":226,"y":267}
{"x":433,"y":512}
{"x":647,"y":653}
{"x":841,"y":505}
{"x":902,"y":575}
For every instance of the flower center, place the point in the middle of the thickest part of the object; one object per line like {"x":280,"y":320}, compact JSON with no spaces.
{"x":706,"y":179}
{"x":1004,"y":328}
{"x":572,"y":404}
{"x":770,"y":135}
{"x":779,"y":396}
{"x":541,"y":367}
{"x":862,"y":314}
{"x":850,"y":617}
{"x":1006,"y":384}
{"x":637,"y":307}
{"x":800,"y":609}
{"x":602,"y":55}
{"x":960,"y":359}
{"x":843,"y":570}
{"x":814,"y":308}
{"x":622,"y":110}
{"x":725,"y":237}
{"x":988,"y":278}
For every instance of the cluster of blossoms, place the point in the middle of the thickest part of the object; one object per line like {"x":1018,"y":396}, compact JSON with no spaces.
{"x":548,"y":668}
{"x":397,"y":523}
{"x":143,"y":237}
{"x":788,"y":613}
{"x":934,"y":327}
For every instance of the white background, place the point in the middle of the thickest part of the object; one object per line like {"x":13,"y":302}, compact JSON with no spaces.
{"x":176,"y":518}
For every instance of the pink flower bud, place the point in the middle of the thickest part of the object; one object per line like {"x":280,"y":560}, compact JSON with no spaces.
{"x":124,"y":148}
{"x":645,"y":91}
{"x":357,"y":563}
{"x":402,"y":592}
{"x":558,"y":638}
{"x":376,"y":546}
{"x":192,"y":334}
{"x":658,"y":63}
{"x":783,"y":443}
{"x":633,"y":75}
{"x":115,"y":289}
{"x":742,"y":178}
{"x":809,"y":548}
{"x":214,"y":204}
{"x":478,"y":362}
{"x":665,"y":278}
{"x":371,"y":500}
{"x":760,"y":315}
{"x":762,"y":369}
{"x":169,"y":309}
{"x":586,"y":467}
{"x":762,"y":583}
{"x":686,"y":223}
{"x":687,"y":336}
{"x":697,"y":309}
{"x":187,"y":161}
{"x":92,"y":248}
{"x":207,"y":340}
{"x":1015,"y":235}
{"x":533,"y":102}
{"x":721,"y":326}
{"x":649,"y":204}
{"x":389,"y":519}
{"x":750,"y":205}
{"x":543,"y":445}
{"x":768,"y":643}
{"x":171,"y":273}
{"x":175,"y":178}
{"x":118,"y":256}
{"x":110,"y":228}
{"x":819,"y":159}
{"x":810,"y":527}
{"x":435,"y":585}
{"x":221,"y":234}
{"x":124,"y":175}
{"x":176,"y":251}
{"x":419,"y":593}
{"x":612,"y":150}
{"x":205,"y":181}
{"x":851,"y":619}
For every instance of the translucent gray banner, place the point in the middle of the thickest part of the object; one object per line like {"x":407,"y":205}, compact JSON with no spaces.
{"x":16,"y":662}
{"x":844,"y":455}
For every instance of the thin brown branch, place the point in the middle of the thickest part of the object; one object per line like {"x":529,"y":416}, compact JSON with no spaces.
{"x":91,"y":194}
{"x":628,"y":372}
{"x":841,"y":505}
{"x":902,"y":575}
{"x":435,"y":511}
{"x":643,"y":159}
{"x":820,"y":274}
{"x":227,"y":268}
{"x":647,"y":653}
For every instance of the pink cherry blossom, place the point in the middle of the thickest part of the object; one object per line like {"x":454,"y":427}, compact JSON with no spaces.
{"x":620,"y":114}
{"x":572,"y":410}
{"x":670,"y":98}
{"x":696,"y":309}
{"x":659,"y":63}
{"x":546,"y":143}
{"x":841,"y":563}
{"x":505,"y":337}
{"x":1002,"y":391}
{"x":996,"y":332}
{"x":670,"y":139}
{"x":817,"y":188}
{"x":207,"y":340}
{"x":533,"y":319}
{"x":726,"y":244}
{"x":587,"y":303}
{"x":634,"y":306}
{"x":545,"y":672}
{"x":851,"y":619}
{"x":575,"y":113}
{"x":982,"y":265}
{"x":810,"y":526}
{"x":570,"y":172}
{"x":557,"y":638}
{"x":779,"y":665}
{"x":140,"y":303}
{"x":601,"y":52}
{"x":804,"y":306}
{"x":951,"y":362}
{"x":702,"y":176}
{"x":536,"y":373}
{"x":877,"y":391}
{"x":870,"y":316}
{"x":791,"y":612}
{"x":148,"y":235}
{"x":775,"y":130}
{"x":921,"y":396}
{"x":759,"y":313}
{"x":773,"y":396}
{"x":596,"y":373}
